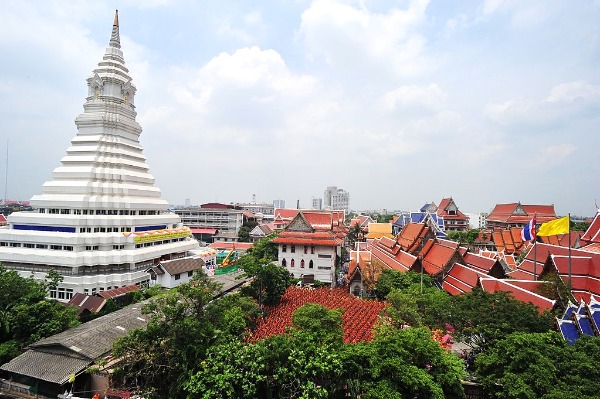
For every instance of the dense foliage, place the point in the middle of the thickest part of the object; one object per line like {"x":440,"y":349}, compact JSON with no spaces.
{"x":183,"y":325}
{"x":311,"y":361}
{"x":541,"y":365}
{"x":26,"y":315}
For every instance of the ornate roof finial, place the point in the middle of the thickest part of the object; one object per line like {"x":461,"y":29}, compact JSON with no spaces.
{"x":115,"y":40}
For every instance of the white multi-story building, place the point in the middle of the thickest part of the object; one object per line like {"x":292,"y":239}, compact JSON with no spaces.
{"x":317,"y":203}
{"x":336,"y":199}
{"x":311,"y":243}
{"x":100,"y":221}
{"x":279,"y":204}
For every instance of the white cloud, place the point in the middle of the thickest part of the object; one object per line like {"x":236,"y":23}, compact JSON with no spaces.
{"x":353,"y":40}
{"x":430,"y":97}
{"x":553,"y":156}
{"x":564,"y":101}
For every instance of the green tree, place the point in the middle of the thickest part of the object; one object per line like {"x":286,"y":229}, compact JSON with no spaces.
{"x":244,"y":234}
{"x":355,"y":234}
{"x":482,"y":318}
{"x":540,"y":365}
{"x":304,"y":363}
{"x":26,"y":315}
{"x":183,"y":325}
{"x":404,"y":363}
{"x":325,"y":325}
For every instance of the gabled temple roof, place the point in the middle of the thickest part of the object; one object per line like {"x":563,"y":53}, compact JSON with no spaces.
{"x":592,"y":234}
{"x":517,"y":213}
{"x":491,"y":284}
{"x":461,"y":279}
{"x":438,"y":258}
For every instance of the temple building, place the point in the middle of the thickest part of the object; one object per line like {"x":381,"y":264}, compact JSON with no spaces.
{"x":100,"y":222}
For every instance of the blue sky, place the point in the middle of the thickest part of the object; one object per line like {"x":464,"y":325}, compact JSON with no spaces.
{"x":398,"y":102}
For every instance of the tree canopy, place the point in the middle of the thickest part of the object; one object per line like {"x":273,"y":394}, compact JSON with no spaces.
{"x":540,"y":365}
{"x":26,"y":315}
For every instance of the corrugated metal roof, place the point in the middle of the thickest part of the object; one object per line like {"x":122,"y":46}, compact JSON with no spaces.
{"x":96,"y":337}
{"x":51,"y":367}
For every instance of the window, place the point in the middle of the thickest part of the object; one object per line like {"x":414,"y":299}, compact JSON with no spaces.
{"x":68,"y":248}
{"x":190,"y":273}
{"x":310,"y":264}
{"x":29,"y":245}
{"x":306,"y":249}
{"x":53,"y":294}
{"x":283,"y":262}
{"x":41,"y":246}
{"x":61,"y":293}
{"x":284,"y":248}
{"x":293,"y":249}
{"x":312,"y":249}
{"x":292,"y":263}
{"x":65,"y":211}
{"x":302,"y":263}
{"x":177,"y":276}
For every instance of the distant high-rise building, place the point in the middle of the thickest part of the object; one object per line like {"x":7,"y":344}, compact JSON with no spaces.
{"x":279,"y":204}
{"x":336,"y":198}
{"x":317,"y":203}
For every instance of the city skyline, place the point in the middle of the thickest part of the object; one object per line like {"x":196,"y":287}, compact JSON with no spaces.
{"x":398,"y":103}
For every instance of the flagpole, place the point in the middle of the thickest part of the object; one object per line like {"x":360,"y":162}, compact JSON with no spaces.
{"x":535,"y":249}
{"x":570,"y":282}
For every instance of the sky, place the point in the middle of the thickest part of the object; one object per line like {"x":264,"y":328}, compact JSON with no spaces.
{"x":400,"y":103}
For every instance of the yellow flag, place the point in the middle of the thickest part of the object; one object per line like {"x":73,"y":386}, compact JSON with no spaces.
{"x":554,"y":227}
{"x":71,"y":377}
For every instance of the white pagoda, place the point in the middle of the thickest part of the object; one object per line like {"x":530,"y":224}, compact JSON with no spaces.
{"x":100,"y":221}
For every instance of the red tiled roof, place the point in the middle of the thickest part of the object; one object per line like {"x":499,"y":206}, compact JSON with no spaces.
{"x":325,"y":238}
{"x":460,"y":279}
{"x":393,"y":262}
{"x":505,"y":213}
{"x":482,"y":264}
{"x":86,"y":302}
{"x":117,"y":292}
{"x":592,"y":234}
{"x":319,"y":220}
{"x":492,"y":285}
{"x":286,"y":214}
{"x":443,"y":212}
{"x":593,"y":247}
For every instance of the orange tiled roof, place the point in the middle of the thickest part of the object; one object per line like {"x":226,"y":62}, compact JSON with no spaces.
{"x":505,"y":213}
{"x":411,"y":234}
{"x":378,"y":230}
{"x":437,"y":258}
{"x":563,"y":239}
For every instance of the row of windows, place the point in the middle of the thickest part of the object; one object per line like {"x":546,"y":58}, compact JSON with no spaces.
{"x":87,"y":247}
{"x":67,"y":293}
{"x":105,"y":229}
{"x":120,"y":212}
{"x":293,"y":263}
{"x":293,"y":248}
{"x":37,"y":246}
